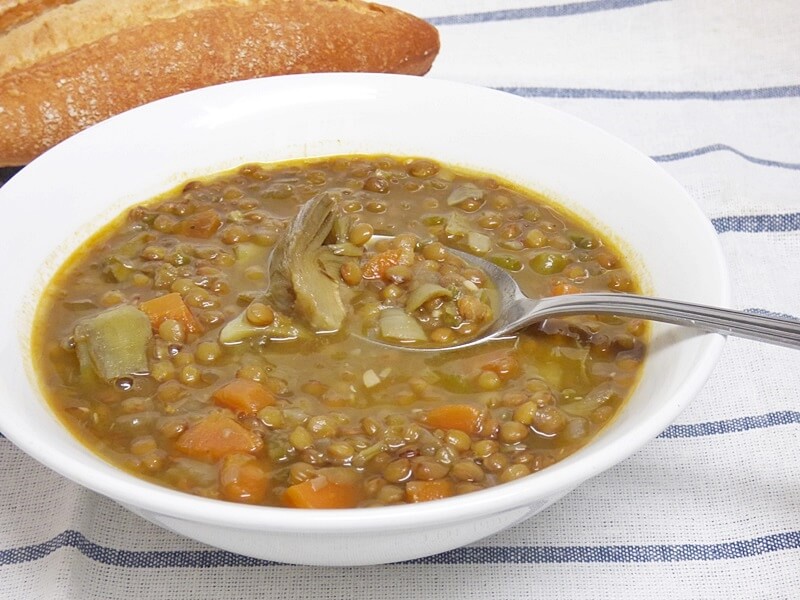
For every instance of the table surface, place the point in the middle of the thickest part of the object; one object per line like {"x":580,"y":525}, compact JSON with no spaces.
{"x":711,"y":508}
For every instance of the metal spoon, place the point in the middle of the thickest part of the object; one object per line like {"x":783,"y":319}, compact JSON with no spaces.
{"x":516,"y":311}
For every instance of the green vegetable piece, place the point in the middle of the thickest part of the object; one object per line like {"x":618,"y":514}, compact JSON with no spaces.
{"x":117,"y":269}
{"x":509,"y":263}
{"x":549,"y":263}
{"x":584,"y":241}
{"x":433,"y":220}
{"x":114,"y":342}
{"x":456,"y":383}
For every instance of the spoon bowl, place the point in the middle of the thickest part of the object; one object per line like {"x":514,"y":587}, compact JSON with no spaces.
{"x":515,"y":311}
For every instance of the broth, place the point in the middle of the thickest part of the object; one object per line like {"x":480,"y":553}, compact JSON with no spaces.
{"x":137,"y":357}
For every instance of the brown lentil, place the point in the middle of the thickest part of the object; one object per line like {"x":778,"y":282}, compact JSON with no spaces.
{"x":351,"y":273}
{"x":364,"y":418}
{"x":513,"y":472}
{"x":360,"y":233}
{"x":397,"y":471}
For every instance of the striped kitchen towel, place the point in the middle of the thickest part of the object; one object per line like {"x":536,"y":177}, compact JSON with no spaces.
{"x":711,"y":508}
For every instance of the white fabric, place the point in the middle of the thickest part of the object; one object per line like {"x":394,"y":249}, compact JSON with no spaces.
{"x":711,"y":509}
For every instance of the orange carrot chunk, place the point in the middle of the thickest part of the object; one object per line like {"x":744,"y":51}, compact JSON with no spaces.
{"x":170,"y":306}
{"x":463,"y":417}
{"x":202,"y":224}
{"x":505,"y":365}
{"x":376,"y":266}
{"x":423,"y":491}
{"x":216,"y":436}
{"x":243,"y":479}
{"x":243,"y":395}
{"x":321,"y":493}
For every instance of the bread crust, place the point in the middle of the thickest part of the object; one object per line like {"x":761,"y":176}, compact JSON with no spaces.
{"x":61,"y":92}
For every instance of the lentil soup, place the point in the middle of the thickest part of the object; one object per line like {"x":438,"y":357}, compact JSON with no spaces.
{"x":212,"y":341}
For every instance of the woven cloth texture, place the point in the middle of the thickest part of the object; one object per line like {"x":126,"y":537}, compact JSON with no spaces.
{"x":710,"y":90}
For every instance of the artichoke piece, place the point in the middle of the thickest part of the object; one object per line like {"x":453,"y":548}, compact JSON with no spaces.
{"x":114,"y":342}
{"x":296,"y":277}
{"x":240,"y":328}
{"x":395,"y":324}
{"x":346,"y":249}
{"x":425,"y":292}
{"x":298,"y":282}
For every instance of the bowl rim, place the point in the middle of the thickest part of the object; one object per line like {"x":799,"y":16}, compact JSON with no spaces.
{"x":561,"y":477}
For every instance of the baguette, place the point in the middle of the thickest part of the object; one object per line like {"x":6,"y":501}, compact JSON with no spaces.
{"x":67,"y":64}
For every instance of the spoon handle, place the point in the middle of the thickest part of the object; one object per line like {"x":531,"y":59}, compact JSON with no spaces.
{"x":775,"y":330}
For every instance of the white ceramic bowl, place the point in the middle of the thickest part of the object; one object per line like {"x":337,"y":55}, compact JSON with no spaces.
{"x":53,"y":204}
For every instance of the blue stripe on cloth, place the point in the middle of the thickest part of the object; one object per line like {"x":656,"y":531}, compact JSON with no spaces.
{"x":724,"y":148}
{"x":786,"y":91}
{"x":126,"y":558}
{"x":757,"y":223}
{"x":774,"y":419}
{"x":651,"y":553}
{"x":538,"y":12}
